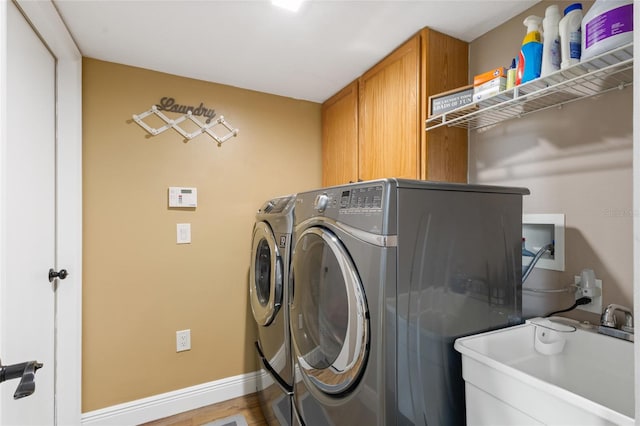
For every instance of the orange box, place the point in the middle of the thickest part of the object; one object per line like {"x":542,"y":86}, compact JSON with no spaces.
{"x":489,"y":75}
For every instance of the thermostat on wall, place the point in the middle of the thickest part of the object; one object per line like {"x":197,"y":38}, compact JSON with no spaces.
{"x":183,"y":197}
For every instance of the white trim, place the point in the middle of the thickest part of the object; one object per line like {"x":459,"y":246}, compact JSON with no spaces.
{"x":4,"y":21}
{"x":46,"y":20}
{"x":171,"y":403}
{"x":636,"y":202}
{"x":69,"y":244}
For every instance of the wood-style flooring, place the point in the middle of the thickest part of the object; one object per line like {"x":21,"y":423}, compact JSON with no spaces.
{"x":247,"y":405}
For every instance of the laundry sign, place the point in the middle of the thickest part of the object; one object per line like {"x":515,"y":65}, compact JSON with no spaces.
{"x":170,"y":105}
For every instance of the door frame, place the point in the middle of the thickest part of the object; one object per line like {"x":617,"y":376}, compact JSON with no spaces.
{"x":45,"y":19}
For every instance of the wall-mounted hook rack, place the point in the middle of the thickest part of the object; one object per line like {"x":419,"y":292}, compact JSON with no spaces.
{"x":174,"y":124}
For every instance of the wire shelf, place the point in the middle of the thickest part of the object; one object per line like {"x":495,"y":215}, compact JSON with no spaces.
{"x":609,"y":71}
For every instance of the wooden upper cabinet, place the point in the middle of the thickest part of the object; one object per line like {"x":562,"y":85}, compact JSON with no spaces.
{"x":445,"y":66}
{"x":389,"y":113}
{"x":375,"y":127}
{"x":340,"y":137}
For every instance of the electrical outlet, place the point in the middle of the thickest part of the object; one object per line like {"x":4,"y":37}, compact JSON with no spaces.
{"x":183,"y":340}
{"x":594,"y":293}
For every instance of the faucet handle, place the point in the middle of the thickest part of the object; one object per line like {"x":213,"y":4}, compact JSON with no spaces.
{"x":628,"y":322}
{"x":608,"y":318}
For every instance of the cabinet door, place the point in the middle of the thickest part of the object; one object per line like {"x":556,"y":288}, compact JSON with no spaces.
{"x":340,"y":137}
{"x":389,"y":113}
{"x":445,"y":61}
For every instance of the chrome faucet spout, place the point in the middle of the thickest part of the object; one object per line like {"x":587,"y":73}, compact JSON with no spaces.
{"x":608,"y":317}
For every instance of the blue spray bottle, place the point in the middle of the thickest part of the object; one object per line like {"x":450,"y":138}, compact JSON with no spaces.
{"x":530,"y":57}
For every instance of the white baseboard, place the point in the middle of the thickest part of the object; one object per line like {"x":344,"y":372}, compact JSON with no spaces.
{"x":171,"y":403}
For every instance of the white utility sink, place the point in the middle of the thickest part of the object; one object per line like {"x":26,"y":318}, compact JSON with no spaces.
{"x":555,"y":372}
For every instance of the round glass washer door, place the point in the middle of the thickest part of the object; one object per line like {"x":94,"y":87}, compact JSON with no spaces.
{"x":265,"y":275}
{"x":329,"y":319}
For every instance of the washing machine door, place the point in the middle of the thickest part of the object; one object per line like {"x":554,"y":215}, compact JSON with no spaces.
{"x":265,"y":276}
{"x":328,"y":313}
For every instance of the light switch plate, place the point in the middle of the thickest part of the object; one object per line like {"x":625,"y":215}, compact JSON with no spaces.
{"x":183,"y":231}
{"x":183,"y":340}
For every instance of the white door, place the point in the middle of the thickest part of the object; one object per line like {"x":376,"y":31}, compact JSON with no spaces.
{"x":28,"y":237}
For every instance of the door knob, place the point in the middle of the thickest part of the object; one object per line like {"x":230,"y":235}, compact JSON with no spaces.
{"x":53,"y":274}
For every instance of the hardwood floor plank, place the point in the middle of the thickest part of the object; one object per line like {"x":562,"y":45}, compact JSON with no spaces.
{"x":247,"y":405}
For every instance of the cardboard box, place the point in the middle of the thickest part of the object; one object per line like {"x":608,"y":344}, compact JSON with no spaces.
{"x":489,"y":75}
{"x":487,"y":93}
{"x":450,"y":100}
{"x":496,"y":82}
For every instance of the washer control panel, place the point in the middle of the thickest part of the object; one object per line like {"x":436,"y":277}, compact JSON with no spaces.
{"x":368,"y":198}
{"x":350,"y":199}
{"x":360,"y":205}
{"x":321,"y":202}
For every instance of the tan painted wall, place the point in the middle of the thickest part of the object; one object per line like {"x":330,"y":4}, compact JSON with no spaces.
{"x":576,"y":160}
{"x":140,"y":287}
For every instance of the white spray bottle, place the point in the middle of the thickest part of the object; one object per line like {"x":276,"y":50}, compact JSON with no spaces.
{"x":551,"y":57}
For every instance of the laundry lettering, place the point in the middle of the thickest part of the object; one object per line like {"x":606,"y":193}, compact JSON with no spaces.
{"x":170,"y":105}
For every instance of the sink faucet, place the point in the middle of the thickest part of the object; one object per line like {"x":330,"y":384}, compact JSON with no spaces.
{"x":608,"y":317}
{"x":608,"y":323}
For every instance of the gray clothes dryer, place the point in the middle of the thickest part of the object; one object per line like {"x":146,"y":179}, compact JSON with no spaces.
{"x":268,"y":294}
{"x":385,"y":275}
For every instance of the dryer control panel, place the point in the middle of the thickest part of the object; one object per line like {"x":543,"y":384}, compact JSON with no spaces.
{"x":277,"y":205}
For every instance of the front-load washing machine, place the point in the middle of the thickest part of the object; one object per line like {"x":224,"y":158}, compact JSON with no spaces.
{"x":385,"y":275}
{"x":268,"y":293}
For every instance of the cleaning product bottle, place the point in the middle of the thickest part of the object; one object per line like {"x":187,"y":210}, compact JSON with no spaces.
{"x":511,"y":75}
{"x":571,"y":35}
{"x":530,"y":57}
{"x":551,"y":41}
{"x":607,"y":25}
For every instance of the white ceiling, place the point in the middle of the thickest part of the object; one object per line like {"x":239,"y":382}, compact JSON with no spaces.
{"x":254,"y":45}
